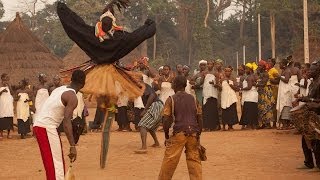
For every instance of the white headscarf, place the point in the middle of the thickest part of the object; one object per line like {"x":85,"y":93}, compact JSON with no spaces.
{"x":203,"y":62}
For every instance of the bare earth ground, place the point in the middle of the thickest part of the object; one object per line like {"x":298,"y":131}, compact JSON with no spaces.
{"x":263,"y":154}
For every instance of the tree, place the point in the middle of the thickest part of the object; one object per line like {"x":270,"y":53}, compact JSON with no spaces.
{"x":1,"y":9}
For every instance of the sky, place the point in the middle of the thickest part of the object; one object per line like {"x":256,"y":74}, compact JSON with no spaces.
{"x":13,"y":6}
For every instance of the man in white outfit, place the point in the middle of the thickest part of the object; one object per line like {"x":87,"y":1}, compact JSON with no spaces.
{"x":56,"y":109}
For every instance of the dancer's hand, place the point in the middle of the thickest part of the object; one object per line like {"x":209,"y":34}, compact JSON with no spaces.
{"x":73,"y":154}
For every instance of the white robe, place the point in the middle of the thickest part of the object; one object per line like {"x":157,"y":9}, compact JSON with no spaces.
{"x":294,"y":88}
{"x":166,"y":91}
{"x":250,"y":95}
{"x":138,"y":103}
{"x":41,"y":97}
{"x":189,"y":89}
{"x":148,"y":80}
{"x":6,"y":103}
{"x":122,"y":101}
{"x":23,"y":109}
{"x":209,"y":90}
{"x":284,"y":96}
{"x":228,"y":95}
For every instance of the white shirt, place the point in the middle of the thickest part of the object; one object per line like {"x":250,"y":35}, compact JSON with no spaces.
{"x":52,"y":113}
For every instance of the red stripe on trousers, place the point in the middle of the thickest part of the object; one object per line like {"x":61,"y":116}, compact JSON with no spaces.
{"x":46,"y":154}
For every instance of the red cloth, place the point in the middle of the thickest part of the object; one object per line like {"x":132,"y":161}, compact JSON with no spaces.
{"x":46,"y":153}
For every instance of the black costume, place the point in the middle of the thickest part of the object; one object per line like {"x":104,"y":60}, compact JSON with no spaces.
{"x":110,"y":50}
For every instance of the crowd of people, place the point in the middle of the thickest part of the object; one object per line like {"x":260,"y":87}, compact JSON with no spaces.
{"x":28,"y":100}
{"x":261,"y":93}
{"x":264,"y":96}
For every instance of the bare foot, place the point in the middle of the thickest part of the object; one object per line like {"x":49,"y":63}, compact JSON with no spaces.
{"x":155,"y":145}
{"x":141,"y":151}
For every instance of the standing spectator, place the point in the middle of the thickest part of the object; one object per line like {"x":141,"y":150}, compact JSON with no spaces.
{"x":56,"y":83}
{"x":274,"y":82}
{"x":210,"y":99}
{"x":266,"y":99}
{"x":189,"y":90}
{"x":165,"y":84}
{"x":284,"y":101}
{"x":23,"y":109}
{"x":229,"y":100}
{"x":179,"y":70}
{"x":122,"y":115}
{"x":41,"y":92}
{"x":198,"y":80}
{"x":6,"y":106}
{"x":249,"y":116}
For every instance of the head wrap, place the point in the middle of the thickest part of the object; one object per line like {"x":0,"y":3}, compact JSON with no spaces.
{"x":143,"y":60}
{"x":186,"y":66}
{"x":160,"y":68}
{"x":41,"y":75}
{"x":252,"y":66}
{"x":264,"y":64}
{"x":219,"y":61}
{"x":203,"y":62}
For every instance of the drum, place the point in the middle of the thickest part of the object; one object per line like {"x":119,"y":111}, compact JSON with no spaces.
{"x":306,"y":121}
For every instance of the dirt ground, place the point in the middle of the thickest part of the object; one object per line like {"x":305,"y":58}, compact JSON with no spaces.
{"x":262,"y":154}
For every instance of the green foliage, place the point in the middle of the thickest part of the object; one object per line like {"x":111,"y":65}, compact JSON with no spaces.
{"x":181,"y":35}
{"x":1,"y":9}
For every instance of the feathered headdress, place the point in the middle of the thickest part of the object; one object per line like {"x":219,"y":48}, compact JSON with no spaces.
{"x":118,"y":3}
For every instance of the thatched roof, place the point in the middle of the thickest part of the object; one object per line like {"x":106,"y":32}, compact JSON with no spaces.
{"x":314,"y":50}
{"x":23,"y":55}
{"x":76,"y":56}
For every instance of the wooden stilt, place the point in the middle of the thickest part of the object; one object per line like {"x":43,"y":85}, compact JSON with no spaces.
{"x":105,"y":140}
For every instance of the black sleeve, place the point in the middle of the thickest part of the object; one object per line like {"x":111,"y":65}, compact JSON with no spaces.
{"x":106,"y":24}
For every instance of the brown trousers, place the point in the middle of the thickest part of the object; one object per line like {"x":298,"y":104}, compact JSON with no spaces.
{"x":172,"y":155}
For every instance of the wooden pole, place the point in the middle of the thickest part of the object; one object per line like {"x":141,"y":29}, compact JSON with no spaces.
{"x":306,"y":31}
{"x":154,"y":46}
{"x":244,"y":55}
{"x":237,"y":55}
{"x":273,"y":34}
{"x":259,"y":34}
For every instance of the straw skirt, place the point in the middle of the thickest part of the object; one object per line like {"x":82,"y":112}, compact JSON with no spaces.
{"x":111,"y":81}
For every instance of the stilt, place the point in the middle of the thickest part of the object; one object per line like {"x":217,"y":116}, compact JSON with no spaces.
{"x":105,"y":140}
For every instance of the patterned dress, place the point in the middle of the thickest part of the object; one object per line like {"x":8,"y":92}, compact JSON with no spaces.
{"x":266,"y":104}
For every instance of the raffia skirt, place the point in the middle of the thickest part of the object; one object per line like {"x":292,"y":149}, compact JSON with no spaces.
{"x":111,"y":81}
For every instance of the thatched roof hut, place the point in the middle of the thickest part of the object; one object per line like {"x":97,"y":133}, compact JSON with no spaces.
{"x":23,"y":55}
{"x":75,"y":57}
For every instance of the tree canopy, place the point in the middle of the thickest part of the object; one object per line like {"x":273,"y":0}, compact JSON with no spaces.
{"x":182,"y":36}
